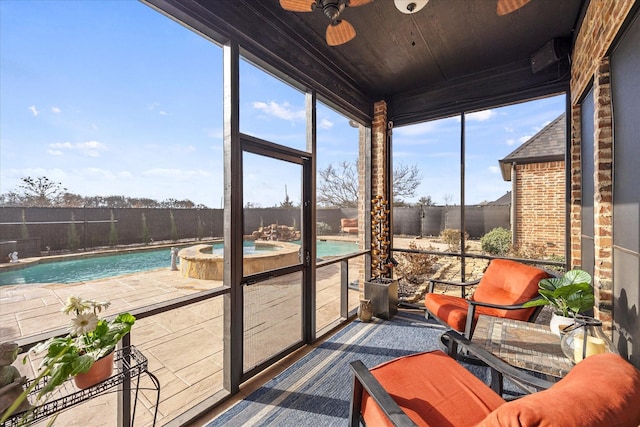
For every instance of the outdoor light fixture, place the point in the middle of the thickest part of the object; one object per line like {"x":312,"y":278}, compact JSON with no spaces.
{"x":410,"y":6}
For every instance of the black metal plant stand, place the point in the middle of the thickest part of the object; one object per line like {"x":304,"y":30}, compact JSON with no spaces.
{"x":130,"y":363}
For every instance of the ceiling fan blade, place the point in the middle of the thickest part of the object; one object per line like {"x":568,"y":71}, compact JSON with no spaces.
{"x":356,"y":3}
{"x":505,"y":7}
{"x":298,"y":5}
{"x":339,"y":32}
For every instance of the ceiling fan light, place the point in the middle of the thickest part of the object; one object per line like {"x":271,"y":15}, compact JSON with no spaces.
{"x":339,"y":32}
{"x":410,"y":6}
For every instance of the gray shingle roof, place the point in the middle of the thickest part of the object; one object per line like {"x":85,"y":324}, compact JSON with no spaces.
{"x":546,"y":146}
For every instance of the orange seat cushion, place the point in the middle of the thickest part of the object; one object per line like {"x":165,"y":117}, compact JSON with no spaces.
{"x":601,"y":391}
{"x":453,"y":310}
{"x":504,"y":282}
{"x":433,"y":390}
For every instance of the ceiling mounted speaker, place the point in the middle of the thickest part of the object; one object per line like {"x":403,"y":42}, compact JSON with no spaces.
{"x":552,"y":52}
{"x":410,"y":6}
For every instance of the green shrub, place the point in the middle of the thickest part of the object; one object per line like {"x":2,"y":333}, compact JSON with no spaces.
{"x":113,"y":231}
{"x":146,"y":236}
{"x":174,"y":227}
{"x":496,"y":242}
{"x":73,"y":238}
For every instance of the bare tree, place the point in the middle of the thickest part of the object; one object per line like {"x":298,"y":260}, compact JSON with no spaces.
{"x":425,"y":201}
{"x":338,"y":186}
{"x":406,"y":178}
{"x":41,"y":191}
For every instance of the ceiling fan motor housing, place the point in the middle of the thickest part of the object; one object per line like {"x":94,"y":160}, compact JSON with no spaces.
{"x":332,"y":8}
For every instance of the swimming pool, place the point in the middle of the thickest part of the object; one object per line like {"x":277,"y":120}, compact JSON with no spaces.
{"x":84,"y":269}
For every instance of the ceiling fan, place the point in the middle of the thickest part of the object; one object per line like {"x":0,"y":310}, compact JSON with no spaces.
{"x":339,"y":31}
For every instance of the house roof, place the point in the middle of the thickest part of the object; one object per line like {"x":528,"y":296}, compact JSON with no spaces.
{"x":451,"y":56}
{"x":548,"y":145}
{"x":505,"y":199}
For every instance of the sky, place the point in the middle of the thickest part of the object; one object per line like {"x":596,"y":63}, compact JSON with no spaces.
{"x":113,"y":98}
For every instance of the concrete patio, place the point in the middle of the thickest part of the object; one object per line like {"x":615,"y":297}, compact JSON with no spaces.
{"x":183,"y":346}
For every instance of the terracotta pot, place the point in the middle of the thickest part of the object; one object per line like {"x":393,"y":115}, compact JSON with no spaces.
{"x":99,"y":371}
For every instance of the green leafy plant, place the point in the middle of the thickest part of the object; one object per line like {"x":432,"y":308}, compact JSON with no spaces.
{"x":496,"y":242}
{"x":568,"y":295}
{"x":90,"y":339}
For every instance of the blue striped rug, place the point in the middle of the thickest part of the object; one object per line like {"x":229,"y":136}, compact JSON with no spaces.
{"x":316,"y":390}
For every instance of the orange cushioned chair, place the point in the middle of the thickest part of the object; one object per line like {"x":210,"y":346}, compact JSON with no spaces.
{"x":432,"y":389}
{"x":504,"y":287}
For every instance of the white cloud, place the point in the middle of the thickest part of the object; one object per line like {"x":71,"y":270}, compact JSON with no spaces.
{"x":511,"y":142}
{"x":88,"y":148}
{"x":481,"y":116}
{"x":61,"y":145}
{"x":494,"y":169}
{"x":524,"y":139}
{"x":177,"y":174}
{"x":162,"y":113}
{"x":419,"y":129}
{"x":56,"y":110}
{"x":97,"y":173}
{"x":326,"y":124}
{"x":282,"y":111}
{"x":509,"y":129}
{"x":34,"y":110}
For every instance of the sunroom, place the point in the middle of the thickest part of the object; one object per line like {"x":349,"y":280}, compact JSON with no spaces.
{"x":410,"y":66}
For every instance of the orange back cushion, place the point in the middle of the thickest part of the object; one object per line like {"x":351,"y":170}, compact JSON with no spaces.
{"x":601,"y":391}
{"x":508,"y":282}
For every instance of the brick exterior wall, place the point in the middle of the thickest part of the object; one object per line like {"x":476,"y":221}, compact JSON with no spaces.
{"x":540,"y":206}
{"x":601,"y":24}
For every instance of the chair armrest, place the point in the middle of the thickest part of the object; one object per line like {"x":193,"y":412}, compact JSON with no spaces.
{"x":504,"y":307}
{"x":447,"y":282}
{"x":364,"y":379}
{"x":461,"y":285}
{"x":523,"y":379}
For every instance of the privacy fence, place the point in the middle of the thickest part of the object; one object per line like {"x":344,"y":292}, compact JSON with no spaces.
{"x":29,"y":230}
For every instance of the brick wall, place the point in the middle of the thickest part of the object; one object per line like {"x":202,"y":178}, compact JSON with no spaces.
{"x":540,"y":206}
{"x":601,"y":24}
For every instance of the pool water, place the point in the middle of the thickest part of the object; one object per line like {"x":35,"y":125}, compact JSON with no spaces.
{"x":84,"y":269}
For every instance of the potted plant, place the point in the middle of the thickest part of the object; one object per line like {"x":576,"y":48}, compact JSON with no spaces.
{"x":88,"y":346}
{"x":569,"y":295}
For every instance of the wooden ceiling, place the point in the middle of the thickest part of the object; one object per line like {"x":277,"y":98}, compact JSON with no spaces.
{"x":451,"y":56}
